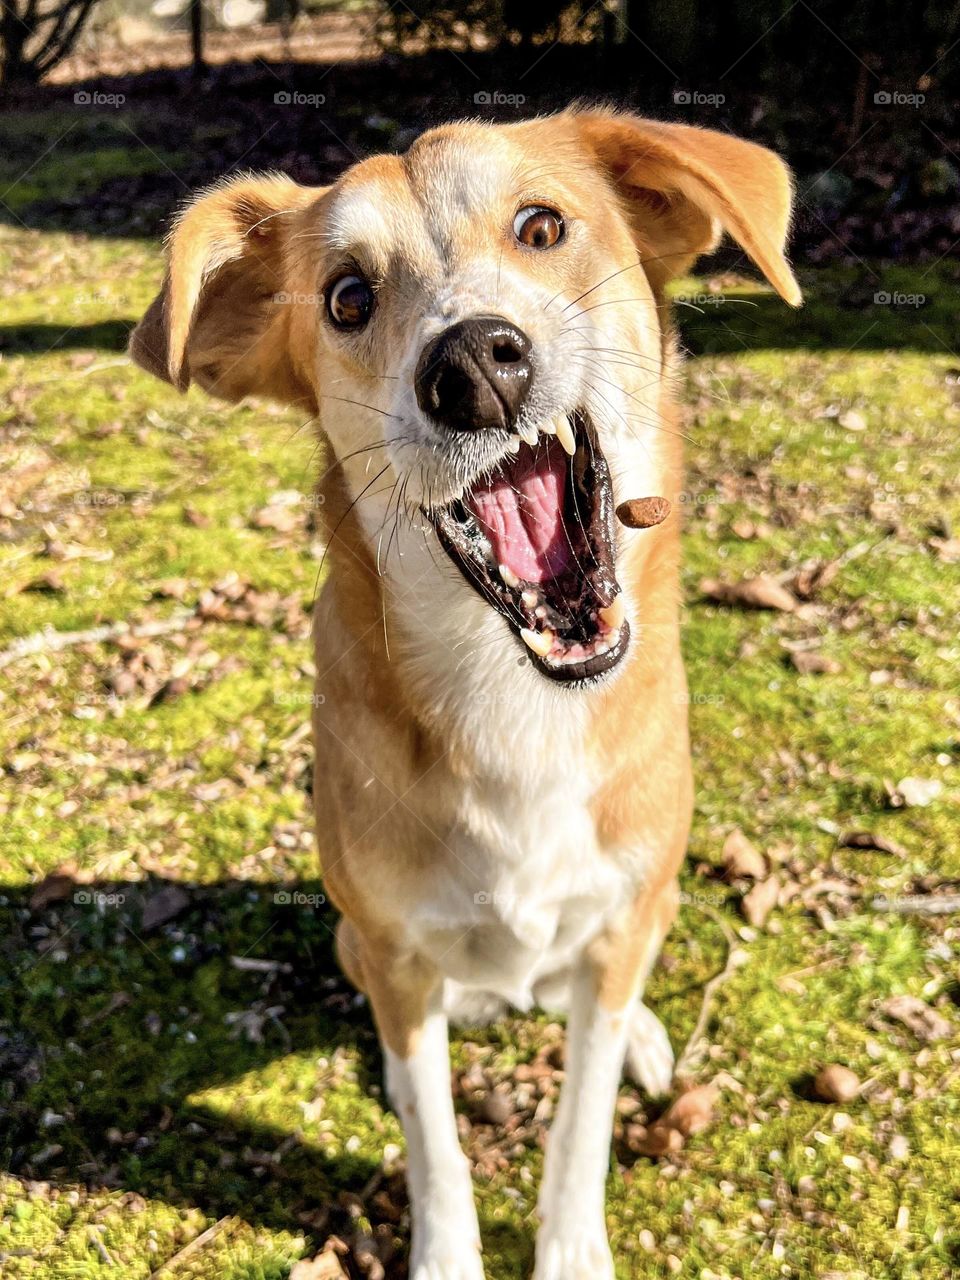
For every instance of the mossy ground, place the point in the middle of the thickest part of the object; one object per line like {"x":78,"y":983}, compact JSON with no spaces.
{"x":150,"y":1088}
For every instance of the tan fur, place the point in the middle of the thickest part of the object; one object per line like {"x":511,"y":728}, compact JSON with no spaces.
{"x":396,"y":771}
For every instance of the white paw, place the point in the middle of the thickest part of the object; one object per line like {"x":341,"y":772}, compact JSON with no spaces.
{"x":447,"y":1259}
{"x":574,"y":1253}
{"x":649,"y":1058}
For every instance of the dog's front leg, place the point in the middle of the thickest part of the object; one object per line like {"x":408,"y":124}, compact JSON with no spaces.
{"x":572,"y":1242}
{"x":407,"y":1005}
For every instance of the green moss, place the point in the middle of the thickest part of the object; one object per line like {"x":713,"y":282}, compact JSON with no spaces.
{"x":787,"y":757}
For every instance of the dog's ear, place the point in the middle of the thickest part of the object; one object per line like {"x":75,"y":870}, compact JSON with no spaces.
{"x":226,"y":317}
{"x":684,"y":186}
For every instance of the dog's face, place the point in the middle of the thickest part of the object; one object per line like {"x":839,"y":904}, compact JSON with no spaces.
{"x":478,"y":324}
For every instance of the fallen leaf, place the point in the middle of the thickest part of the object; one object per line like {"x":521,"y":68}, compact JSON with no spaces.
{"x":918,"y":792}
{"x":917,"y":1016}
{"x":751,"y":593}
{"x":325,"y":1266}
{"x":741,"y":858}
{"x":870,"y":840}
{"x":852,"y":420}
{"x":163,"y":905}
{"x":760,"y":901}
{"x":692,"y":1112}
{"x":282,"y":519}
{"x":812,"y":578}
{"x":810,"y":663}
{"x":56,"y":887}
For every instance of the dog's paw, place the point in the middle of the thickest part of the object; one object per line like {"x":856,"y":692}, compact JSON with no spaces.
{"x":573,"y":1253}
{"x":447,"y":1257}
{"x":649,"y":1058}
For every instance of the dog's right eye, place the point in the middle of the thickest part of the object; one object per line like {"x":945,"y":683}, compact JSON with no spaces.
{"x":349,"y":302}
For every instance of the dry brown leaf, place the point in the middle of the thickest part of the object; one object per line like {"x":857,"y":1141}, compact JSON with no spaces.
{"x":741,"y":858}
{"x":751,"y":593}
{"x":809,"y":662}
{"x":812,"y":578}
{"x":917,"y":1016}
{"x":325,"y":1266}
{"x":692,"y":1112}
{"x":56,"y":887}
{"x":163,"y":905}
{"x":760,"y":901}
{"x":870,"y":840}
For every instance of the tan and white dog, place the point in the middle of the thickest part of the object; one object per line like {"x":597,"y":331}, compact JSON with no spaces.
{"x":503,"y":787}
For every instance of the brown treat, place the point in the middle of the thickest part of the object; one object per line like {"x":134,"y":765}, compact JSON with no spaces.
{"x":643,"y":513}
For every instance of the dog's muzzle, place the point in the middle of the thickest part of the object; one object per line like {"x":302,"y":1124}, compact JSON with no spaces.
{"x":475,"y":375}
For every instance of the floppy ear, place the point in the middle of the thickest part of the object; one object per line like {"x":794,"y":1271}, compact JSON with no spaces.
{"x":228,"y":316}
{"x":684,"y":186}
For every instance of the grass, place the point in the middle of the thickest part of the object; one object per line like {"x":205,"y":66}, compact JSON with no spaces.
{"x":151,"y":1089}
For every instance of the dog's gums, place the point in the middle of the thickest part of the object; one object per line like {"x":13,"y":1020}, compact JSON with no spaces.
{"x":535,"y":537}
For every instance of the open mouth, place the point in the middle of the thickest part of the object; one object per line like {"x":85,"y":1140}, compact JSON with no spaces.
{"x":535,"y":537}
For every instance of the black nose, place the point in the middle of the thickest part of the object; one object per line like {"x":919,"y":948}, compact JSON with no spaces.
{"x":475,"y":374}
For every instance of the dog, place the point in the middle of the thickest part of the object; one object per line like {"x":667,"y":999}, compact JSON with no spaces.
{"x":481,"y":329}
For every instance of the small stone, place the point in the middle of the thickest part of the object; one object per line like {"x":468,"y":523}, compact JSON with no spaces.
{"x":836,"y":1084}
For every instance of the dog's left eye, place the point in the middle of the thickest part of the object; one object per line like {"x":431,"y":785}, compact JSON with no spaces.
{"x":537,"y":227}
{"x":349,"y":302}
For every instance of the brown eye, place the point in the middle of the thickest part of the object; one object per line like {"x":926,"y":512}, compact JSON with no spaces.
{"x":537,"y":228}
{"x":349,"y":302}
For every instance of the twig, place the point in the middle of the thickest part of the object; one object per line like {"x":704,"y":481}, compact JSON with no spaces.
{"x":50,"y":641}
{"x":733,"y":962}
{"x":93,"y":1234}
{"x":198,"y":1242}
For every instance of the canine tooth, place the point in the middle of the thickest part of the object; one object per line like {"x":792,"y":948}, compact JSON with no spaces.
{"x":507,"y":574}
{"x":613,"y":613}
{"x":565,"y":435}
{"x":541,"y":642}
{"x":528,"y":434}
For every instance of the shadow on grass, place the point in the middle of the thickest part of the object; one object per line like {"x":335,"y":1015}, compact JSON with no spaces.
{"x":110,"y":1025}
{"x":44,"y":339}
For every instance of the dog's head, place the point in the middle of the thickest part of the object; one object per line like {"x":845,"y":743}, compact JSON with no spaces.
{"x":478,"y":325}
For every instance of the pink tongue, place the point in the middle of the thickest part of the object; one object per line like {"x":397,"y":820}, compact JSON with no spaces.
{"x":522,"y":514}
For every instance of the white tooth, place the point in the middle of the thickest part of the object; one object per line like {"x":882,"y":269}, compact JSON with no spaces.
{"x":509,"y":577}
{"x":541,"y":642}
{"x":549,"y":428}
{"x":565,"y":435}
{"x":513,"y":445}
{"x":613,"y":614}
{"x":528,"y":434}
{"x":529,"y":598}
